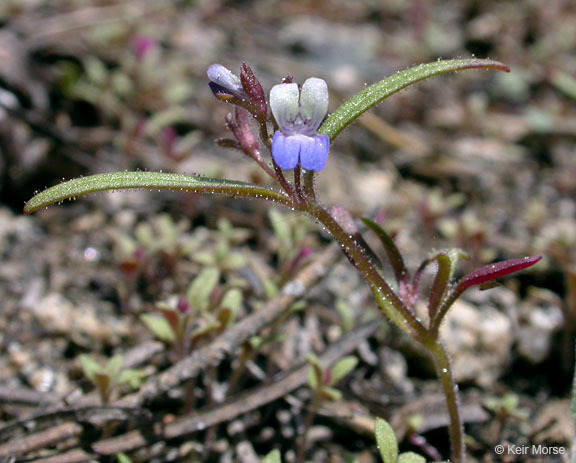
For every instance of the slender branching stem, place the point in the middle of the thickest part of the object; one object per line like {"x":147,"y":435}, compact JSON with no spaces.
{"x":285,"y":184}
{"x":398,"y":312}
{"x":442,"y":311}
{"x":264,"y":166}
{"x":393,"y":306}
{"x":309,"y":192}
{"x":444,"y":372}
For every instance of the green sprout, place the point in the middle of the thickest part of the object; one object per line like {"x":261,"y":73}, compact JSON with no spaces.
{"x":110,"y":375}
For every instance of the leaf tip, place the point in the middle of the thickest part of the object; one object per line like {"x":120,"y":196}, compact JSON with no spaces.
{"x":491,"y":272}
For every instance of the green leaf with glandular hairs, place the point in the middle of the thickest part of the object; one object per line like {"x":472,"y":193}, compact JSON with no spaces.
{"x":374,"y":94}
{"x":386,"y":441}
{"x":152,"y":181}
{"x":272,"y":457}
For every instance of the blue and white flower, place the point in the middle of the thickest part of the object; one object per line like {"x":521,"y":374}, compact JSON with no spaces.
{"x":299,"y":112}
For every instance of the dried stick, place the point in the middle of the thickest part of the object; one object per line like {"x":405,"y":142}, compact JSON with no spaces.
{"x":240,"y":404}
{"x":190,"y":366}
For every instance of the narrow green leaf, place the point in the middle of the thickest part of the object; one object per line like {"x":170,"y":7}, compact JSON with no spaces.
{"x":312,"y":378}
{"x":394,"y":256}
{"x":132,"y":377}
{"x":411,"y":457}
{"x":272,"y":457}
{"x":159,"y":327}
{"x":447,"y":263}
{"x":316,"y":372}
{"x":386,"y":441}
{"x":123,"y":458}
{"x":114,"y":366}
{"x":232,"y":300}
{"x":374,"y":94}
{"x":331,"y":393}
{"x":201,"y":287}
{"x":346,"y":314}
{"x":153,"y":181}
{"x":341,"y":368}
{"x":89,"y":366}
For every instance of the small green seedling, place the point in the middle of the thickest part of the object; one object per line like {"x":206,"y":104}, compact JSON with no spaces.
{"x":192,"y":318}
{"x":388,"y":445}
{"x":323,"y":380}
{"x":107,"y":377}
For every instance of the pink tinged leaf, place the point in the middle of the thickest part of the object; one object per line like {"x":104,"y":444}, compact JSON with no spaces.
{"x":490,"y":272}
{"x":173,"y":319}
{"x":327,"y":378}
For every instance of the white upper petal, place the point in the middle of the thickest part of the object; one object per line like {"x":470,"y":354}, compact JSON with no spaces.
{"x":314,"y":101}
{"x":224,"y":77}
{"x":284,"y":104}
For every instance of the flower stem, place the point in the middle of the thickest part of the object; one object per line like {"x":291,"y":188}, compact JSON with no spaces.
{"x":309,"y":192}
{"x":389,"y":301}
{"x":444,"y":372}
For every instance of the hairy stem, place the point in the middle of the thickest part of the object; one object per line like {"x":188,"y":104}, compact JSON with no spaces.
{"x":389,"y":302}
{"x":444,"y":372}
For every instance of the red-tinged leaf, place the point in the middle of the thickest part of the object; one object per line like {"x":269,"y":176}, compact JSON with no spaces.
{"x":491,"y":272}
{"x":481,"y":276}
{"x":173,"y":318}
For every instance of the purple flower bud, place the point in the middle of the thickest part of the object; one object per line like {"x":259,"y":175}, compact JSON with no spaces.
{"x":299,"y":113}
{"x":255,"y":93}
{"x":183,"y":306}
{"x":224,"y":83}
{"x":142,"y":45}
